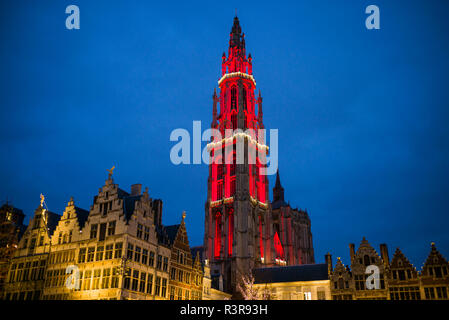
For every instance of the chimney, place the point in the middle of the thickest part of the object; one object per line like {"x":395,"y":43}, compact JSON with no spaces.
{"x":384,"y":254}
{"x":352,"y":252}
{"x":220,"y":283}
{"x":136,"y":189}
{"x":328,"y":259}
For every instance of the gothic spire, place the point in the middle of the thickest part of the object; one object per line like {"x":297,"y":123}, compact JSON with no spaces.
{"x":278,"y":180}
{"x":236,"y":35}
{"x":214,"y":109}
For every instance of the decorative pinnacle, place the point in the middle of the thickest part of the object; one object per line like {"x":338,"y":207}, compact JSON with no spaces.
{"x":42,"y":200}
{"x":183,"y":215}
{"x":111,"y":171}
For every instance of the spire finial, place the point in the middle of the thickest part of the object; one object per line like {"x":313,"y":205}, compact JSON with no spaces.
{"x":183,"y":215}
{"x":42,"y":200}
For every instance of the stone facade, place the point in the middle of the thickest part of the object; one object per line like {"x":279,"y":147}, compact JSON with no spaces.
{"x":243,"y":230}
{"x":119,"y":249}
{"x":398,"y":279}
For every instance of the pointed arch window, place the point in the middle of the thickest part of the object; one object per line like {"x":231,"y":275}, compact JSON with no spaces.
{"x":217,"y":246}
{"x":233,"y":98}
{"x":244,"y":99}
{"x":232,"y":165}
{"x":230,"y":231}
{"x":278,"y":247}
{"x":261,"y":238}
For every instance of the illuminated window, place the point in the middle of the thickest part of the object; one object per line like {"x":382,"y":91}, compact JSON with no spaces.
{"x":217,"y":234}
{"x":147,"y":234}
{"x":118,"y":250}
{"x":164,"y":288}
{"x":93,"y":231}
{"x":99,"y":256}
{"x":151,"y":259}
{"x":159,"y":262}
{"x":158,"y":286}
{"x":219,"y":190}
{"x":143,"y":282}
{"x":87,"y":280}
{"x":307,"y":295}
{"x":232,"y":187}
{"x":165,"y":267}
{"x":234,"y":121}
{"x":233,"y":98}
{"x":219,"y":172}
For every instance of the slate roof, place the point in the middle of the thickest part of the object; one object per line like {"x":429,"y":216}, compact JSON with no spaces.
{"x":166,"y":234}
{"x":306,"y":272}
{"x":53,"y":219}
{"x":197,"y":250}
{"x":82,"y":216}
{"x":172,"y":231}
{"x":129,"y":203}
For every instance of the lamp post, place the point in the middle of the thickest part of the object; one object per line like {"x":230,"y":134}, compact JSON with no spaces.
{"x":123,"y":271}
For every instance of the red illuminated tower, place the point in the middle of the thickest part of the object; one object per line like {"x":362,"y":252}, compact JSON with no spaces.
{"x":237,"y":193}
{"x":243,"y":230}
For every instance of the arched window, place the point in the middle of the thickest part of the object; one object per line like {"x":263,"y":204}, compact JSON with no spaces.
{"x":217,"y":234}
{"x":340,"y":283}
{"x":366,"y":260}
{"x":234,"y":120}
{"x":233,"y":98}
{"x":244,"y":99}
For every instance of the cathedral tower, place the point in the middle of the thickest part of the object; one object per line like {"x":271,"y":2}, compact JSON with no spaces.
{"x":243,"y":230}
{"x":237,"y":200}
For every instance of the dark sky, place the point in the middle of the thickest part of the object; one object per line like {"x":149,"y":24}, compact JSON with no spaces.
{"x":362,"y":114}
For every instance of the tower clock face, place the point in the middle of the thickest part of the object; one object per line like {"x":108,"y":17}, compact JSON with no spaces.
{"x":225,"y":124}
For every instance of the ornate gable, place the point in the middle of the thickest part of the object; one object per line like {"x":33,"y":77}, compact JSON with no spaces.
{"x":366,"y":255}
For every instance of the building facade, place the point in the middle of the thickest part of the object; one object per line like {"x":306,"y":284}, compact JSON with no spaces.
{"x":397,"y":280}
{"x":11,"y":230}
{"x":243,"y":230}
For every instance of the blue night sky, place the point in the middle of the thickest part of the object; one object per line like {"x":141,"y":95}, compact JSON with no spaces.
{"x":362,"y":114}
